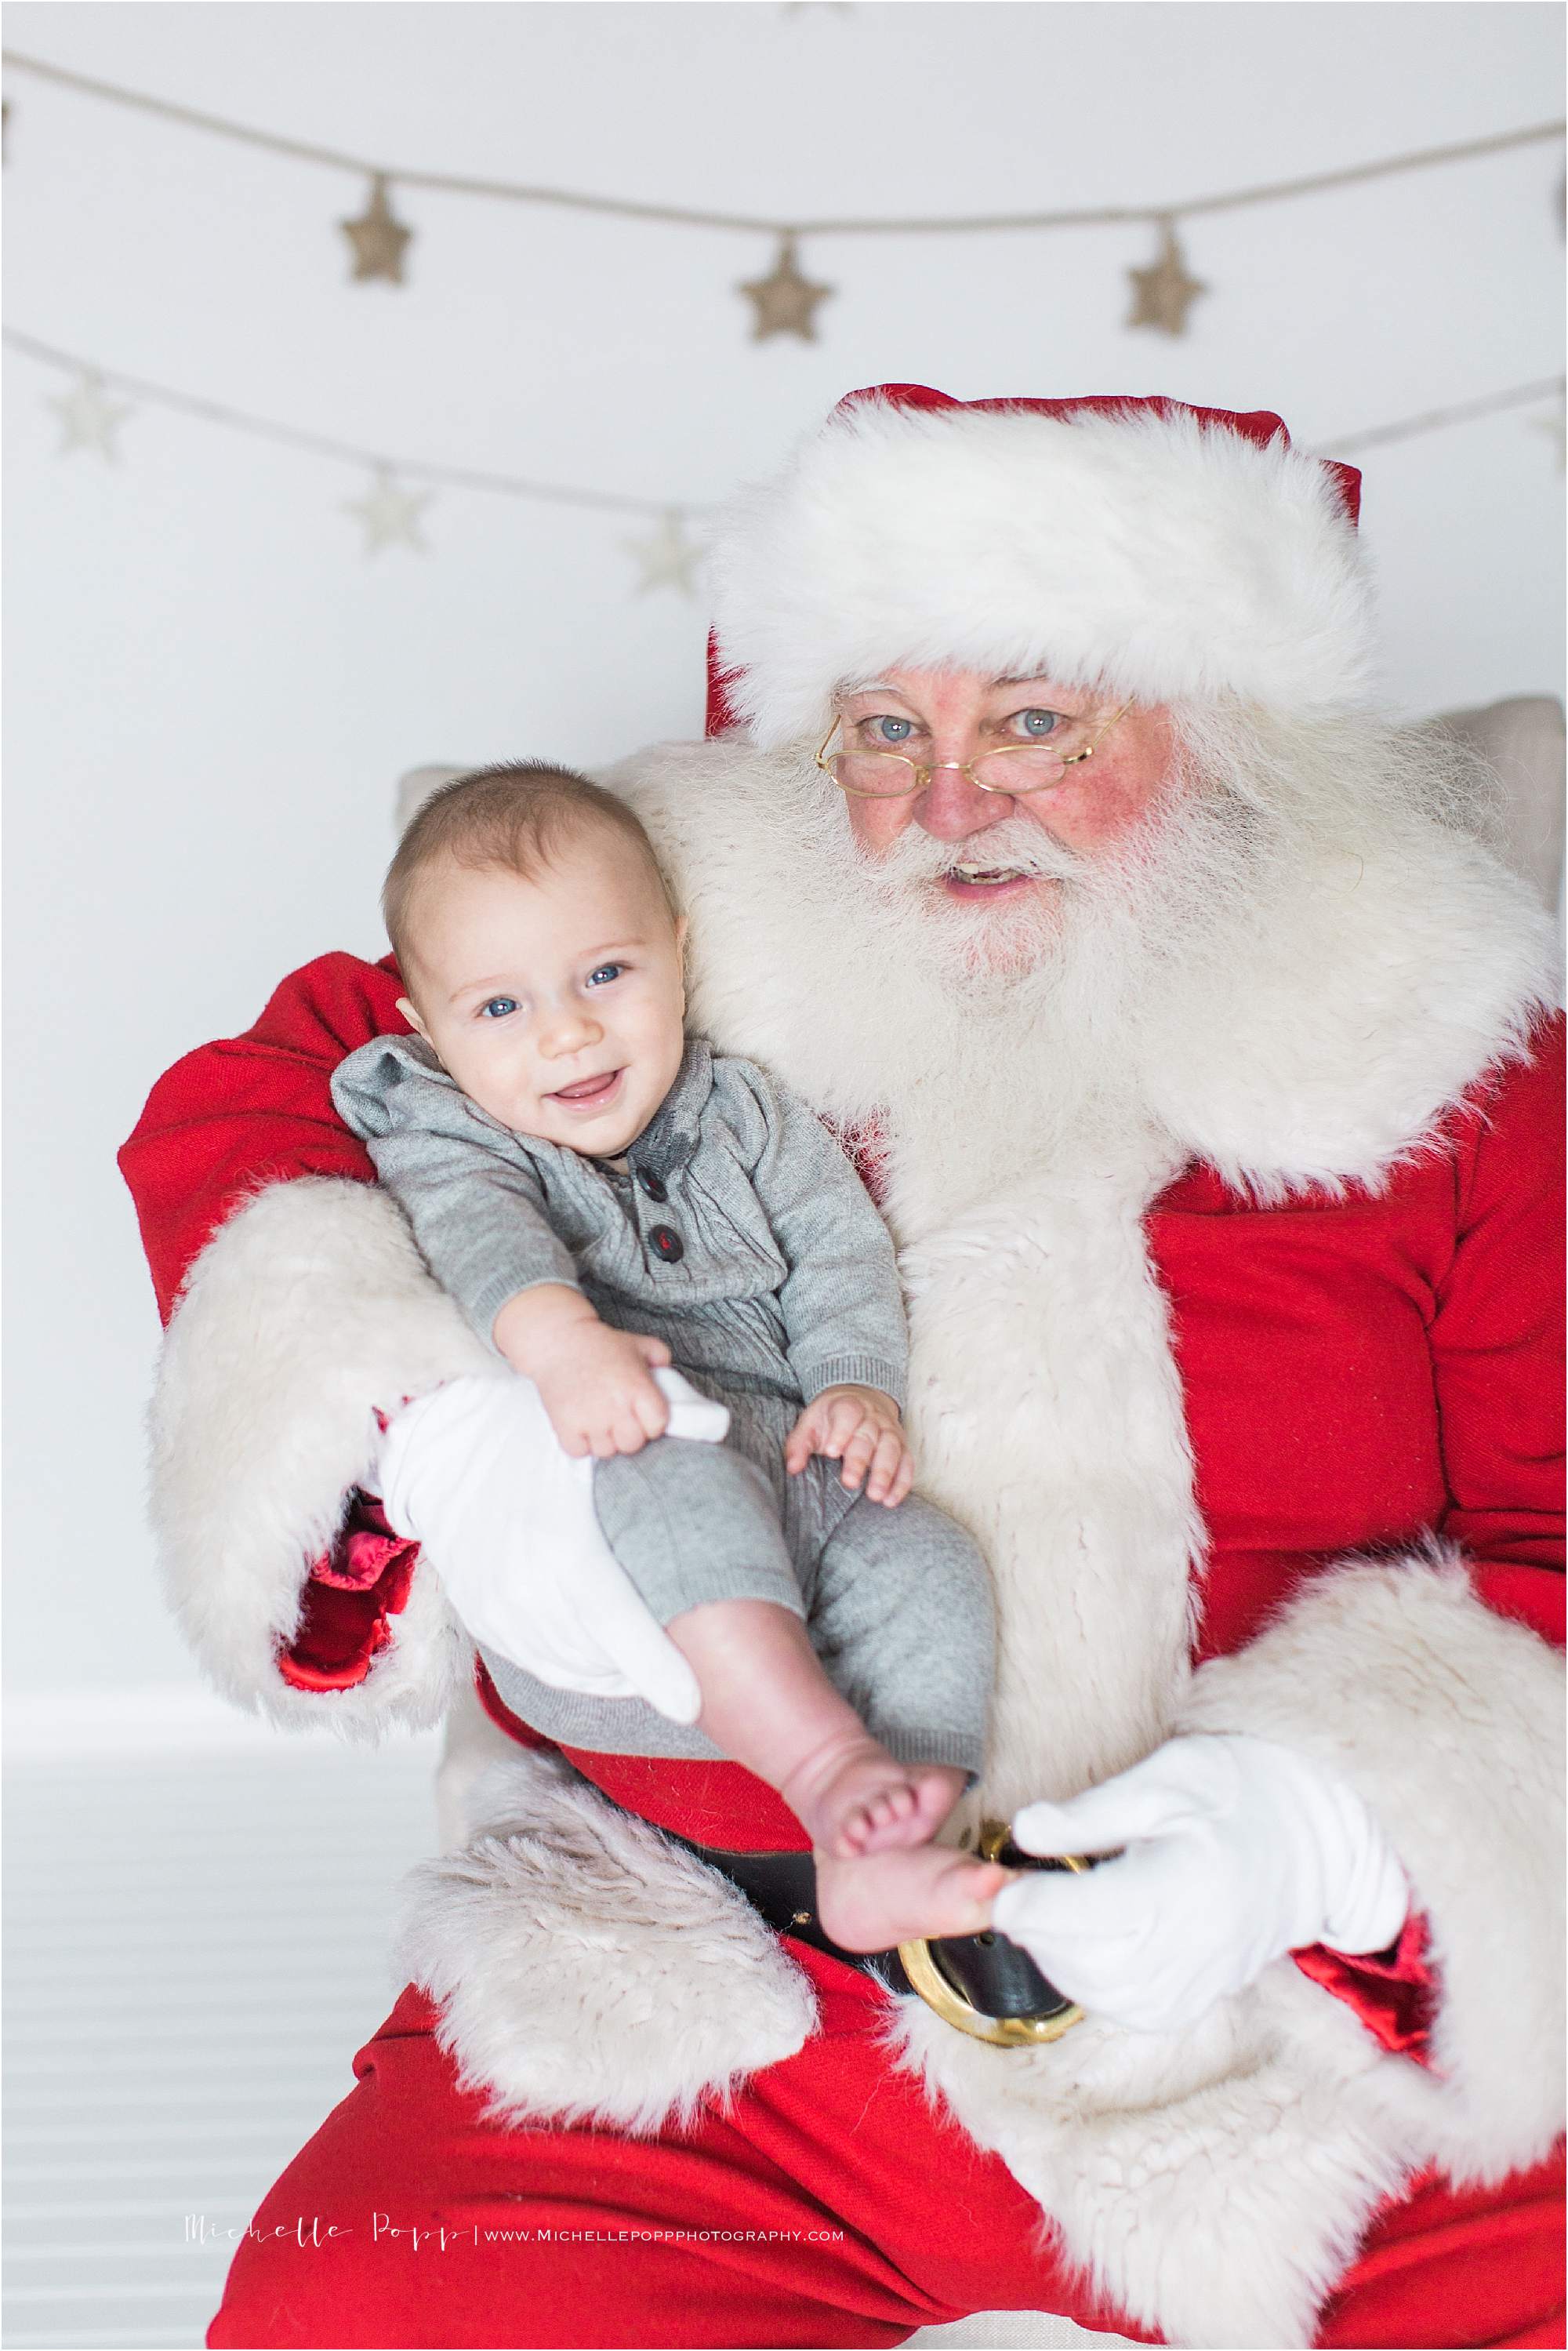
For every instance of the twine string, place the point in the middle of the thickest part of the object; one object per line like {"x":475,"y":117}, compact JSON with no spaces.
{"x":1419,"y":159}
{"x":518,"y":485}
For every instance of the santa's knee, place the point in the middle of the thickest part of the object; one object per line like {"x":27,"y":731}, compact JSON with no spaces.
{"x":384,"y":2281}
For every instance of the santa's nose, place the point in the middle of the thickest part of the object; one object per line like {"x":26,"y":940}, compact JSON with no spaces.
{"x":953,"y":806}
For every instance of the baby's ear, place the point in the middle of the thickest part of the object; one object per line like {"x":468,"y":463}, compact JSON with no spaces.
{"x":412,"y":1016}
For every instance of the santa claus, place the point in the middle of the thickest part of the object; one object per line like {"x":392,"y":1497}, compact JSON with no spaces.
{"x":1201,"y":1066}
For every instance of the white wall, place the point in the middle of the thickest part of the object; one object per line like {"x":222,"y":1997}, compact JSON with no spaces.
{"x":211,"y":690}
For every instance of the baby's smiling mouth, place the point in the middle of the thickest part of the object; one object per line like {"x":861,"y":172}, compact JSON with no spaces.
{"x":588,"y":1093}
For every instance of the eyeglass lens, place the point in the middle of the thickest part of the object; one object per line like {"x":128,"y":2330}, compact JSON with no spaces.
{"x":886,"y":775}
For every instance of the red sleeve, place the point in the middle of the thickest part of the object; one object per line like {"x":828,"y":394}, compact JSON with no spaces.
{"x":254,"y":1110}
{"x":1497,"y":1345}
{"x":229,"y":1119}
{"x":1497,"y":1369}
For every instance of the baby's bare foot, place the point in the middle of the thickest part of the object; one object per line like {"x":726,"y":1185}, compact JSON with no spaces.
{"x":854,"y":1799}
{"x":867,"y":1828}
{"x":879,"y":1899}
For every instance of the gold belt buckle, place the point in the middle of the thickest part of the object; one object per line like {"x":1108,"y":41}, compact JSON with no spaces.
{"x":952,"y":2006}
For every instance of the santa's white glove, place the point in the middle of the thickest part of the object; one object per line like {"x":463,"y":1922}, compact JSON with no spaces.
{"x":1237,"y":1851}
{"x":474,"y":1473}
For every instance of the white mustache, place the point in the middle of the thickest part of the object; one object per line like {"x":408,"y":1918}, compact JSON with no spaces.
{"x":914,"y":856}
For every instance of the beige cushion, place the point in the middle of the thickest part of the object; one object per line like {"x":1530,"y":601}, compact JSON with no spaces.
{"x":415,"y":787}
{"x":1523,"y":741}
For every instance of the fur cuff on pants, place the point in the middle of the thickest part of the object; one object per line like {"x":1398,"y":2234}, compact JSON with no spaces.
{"x":590,"y":1972}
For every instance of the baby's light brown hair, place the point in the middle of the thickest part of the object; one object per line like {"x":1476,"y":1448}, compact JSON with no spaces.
{"x":511,"y":816}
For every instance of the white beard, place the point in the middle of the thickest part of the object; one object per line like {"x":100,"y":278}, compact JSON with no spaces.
{"x":996,"y":1053}
{"x":990,"y":1037}
{"x":1206,"y":992}
{"x":1021,"y":1158}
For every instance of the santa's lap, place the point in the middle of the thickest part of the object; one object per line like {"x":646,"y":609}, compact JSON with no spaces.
{"x":830,"y":2206}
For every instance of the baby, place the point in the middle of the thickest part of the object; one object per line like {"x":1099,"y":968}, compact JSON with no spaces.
{"x":603,"y":1197}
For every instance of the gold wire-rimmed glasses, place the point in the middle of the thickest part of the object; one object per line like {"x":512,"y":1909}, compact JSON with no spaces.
{"x":1016,"y":771}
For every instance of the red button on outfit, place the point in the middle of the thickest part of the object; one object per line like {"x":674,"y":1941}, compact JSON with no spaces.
{"x":668,"y":1244}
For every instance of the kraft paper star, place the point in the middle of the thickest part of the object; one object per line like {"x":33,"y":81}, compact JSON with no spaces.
{"x":378,"y":240}
{"x":89,"y":417}
{"x":668,"y":560}
{"x":1164,"y":293}
{"x":389,"y":515}
{"x":785,"y":302}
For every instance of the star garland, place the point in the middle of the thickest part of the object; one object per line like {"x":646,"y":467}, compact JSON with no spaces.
{"x":389,"y":509}
{"x":389,"y":514}
{"x":89,"y":417}
{"x":379,"y":240}
{"x":668,"y":560}
{"x":394,"y":491}
{"x":1164,"y":293}
{"x":786,"y":301}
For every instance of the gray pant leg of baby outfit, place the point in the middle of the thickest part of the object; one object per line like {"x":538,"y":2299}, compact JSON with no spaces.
{"x":904,"y":1622}
{"x":898,"y":1601}
{"x":688,"y":1522}
{"x":691,"y":1523}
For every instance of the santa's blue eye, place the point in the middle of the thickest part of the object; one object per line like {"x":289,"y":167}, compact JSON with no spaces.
{"x":603,"y":972}
{"x":893,"y":731}
{"x":497,"y":1007}
{"x":1038,"y":724}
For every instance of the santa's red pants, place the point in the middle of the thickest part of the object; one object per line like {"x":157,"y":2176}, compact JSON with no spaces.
{"x":830,"y":2206}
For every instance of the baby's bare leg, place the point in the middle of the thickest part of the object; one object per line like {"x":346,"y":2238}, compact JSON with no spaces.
{"x":769,"y":1704}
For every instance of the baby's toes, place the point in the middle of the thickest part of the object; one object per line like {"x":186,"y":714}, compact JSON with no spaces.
{"x":933,"y":1800}
{"x":962,"y":1897}
{"x":854,"y":1834}
{"x":901,"y":1824}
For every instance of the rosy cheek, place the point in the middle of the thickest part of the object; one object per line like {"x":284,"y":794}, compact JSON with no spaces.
{"x":1108,"y":798}
{"x":875,"y":823}
{"x":1083,"y":815}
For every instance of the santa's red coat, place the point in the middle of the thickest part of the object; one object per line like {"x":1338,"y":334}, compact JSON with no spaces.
{"x":1357,"y":1372}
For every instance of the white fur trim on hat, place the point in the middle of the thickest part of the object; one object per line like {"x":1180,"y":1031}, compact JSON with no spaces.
{"x":1147,"y":554}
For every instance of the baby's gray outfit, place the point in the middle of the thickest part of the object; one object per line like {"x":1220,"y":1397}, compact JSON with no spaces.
{"x":742,"y":1237}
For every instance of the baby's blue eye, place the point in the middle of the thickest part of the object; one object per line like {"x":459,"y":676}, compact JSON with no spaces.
{"x":1038,"y":723}
{"x":604,"y":972}
{"x":893,"y":731}
{"x":497,"y":1007}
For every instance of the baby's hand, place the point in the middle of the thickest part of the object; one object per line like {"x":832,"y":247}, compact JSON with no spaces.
{"x":861,"y":1427}
{"x":595,"y":1382}
{"x":599,"y":1393}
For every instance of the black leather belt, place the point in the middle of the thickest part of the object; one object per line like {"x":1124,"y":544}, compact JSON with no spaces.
{"x":982,"y":1984}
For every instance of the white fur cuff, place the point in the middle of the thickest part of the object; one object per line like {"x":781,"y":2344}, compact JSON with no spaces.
{"x":587,"y":1970}
{"x":308,"y":1310}
{"x":1448,"y":1720}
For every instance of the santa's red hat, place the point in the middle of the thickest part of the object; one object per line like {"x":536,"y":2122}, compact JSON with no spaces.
{"x":1158,"y":552}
